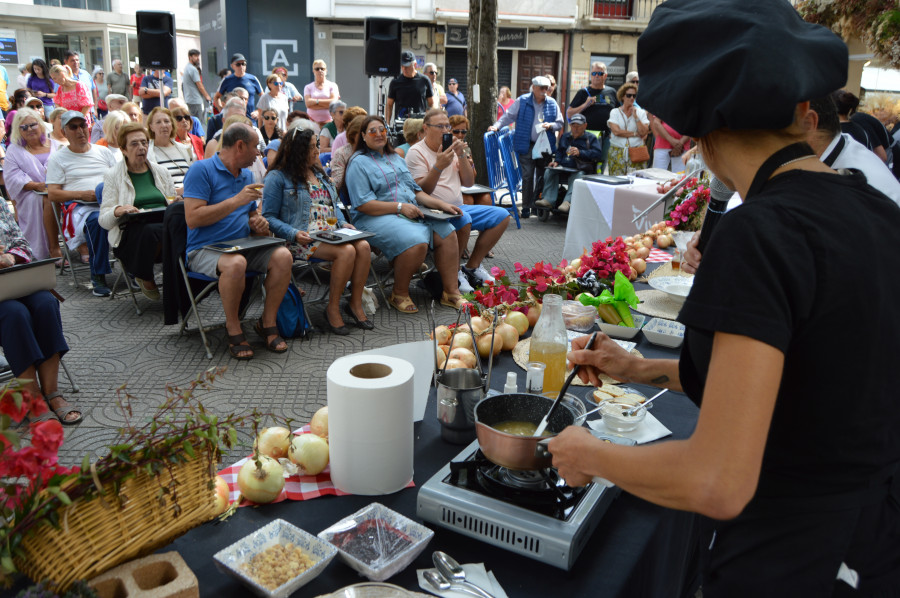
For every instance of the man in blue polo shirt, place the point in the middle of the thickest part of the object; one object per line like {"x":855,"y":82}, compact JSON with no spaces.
{"x":220,"y":203}
{"x":239,"y":78}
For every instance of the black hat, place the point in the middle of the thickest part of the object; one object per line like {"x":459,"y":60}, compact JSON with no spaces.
{"x":237,"y":58}
{"x":407,"y":58}
{"x":708,"y":64}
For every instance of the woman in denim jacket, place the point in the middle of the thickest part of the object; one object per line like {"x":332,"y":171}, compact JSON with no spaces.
{"x":299,"y":199}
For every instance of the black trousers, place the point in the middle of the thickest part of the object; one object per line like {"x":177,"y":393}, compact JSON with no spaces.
{"x":140,"y":248}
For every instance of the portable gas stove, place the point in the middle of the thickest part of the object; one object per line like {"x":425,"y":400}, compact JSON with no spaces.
{"x":532,"y":513}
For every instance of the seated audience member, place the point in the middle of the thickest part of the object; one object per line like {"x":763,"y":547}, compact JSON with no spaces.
{"x":333,"y":128}
{"x":442,"y":174}
{"x":298,"y":121}
{"x":668,"y":147}
{"x":19,"y":99}
{"x":73,"y":174}
{"x":134,"y":184}
{"x":270,"y":130}
{"x":233,"y":107}
{"x":133,"y":110}
{"x":38,"y":106}
{"x":196,"y":128}
{"x":164,"y":150}
{"x":386,"y":201}
{"x":576,"y":149}
{"x":460,"y":129}
{"x":31,"y":330}
{"x":57,"y":133}
{"x":257,"y":168}
{"x":113,"y":102}
{"x":299,"y":199}
{"x":274,"y":100}
{"x":340,"y":157}
{"x":412,"y":133}
{"x":215,"y":123}
{"x":220,"y":203}
{"x":111,"y":124}
{"x":349,"y":114}
{"x":192,"y":143}
{"x":25,"y":173}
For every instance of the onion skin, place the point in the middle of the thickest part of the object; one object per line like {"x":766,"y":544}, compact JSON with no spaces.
{"x":309,"y":452}
{"x":273,"y":442}
{"x":221,"y":495}
{"x":318,"y":425}
{"x":484,"y":344}
{"x":533,"y":314}
{"x":464,"y":355}
{"x":517,"y":320}
{"x":509,"y":334}
{"x":261,"y":485}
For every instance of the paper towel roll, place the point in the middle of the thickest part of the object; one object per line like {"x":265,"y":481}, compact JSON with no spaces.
{"x":370,"y":424}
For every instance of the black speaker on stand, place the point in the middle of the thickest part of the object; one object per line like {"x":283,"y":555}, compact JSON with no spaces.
{"x":156,"y":39}
{"x":382,"y":47}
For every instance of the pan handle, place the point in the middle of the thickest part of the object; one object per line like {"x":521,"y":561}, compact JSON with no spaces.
{"x":541,"y":451}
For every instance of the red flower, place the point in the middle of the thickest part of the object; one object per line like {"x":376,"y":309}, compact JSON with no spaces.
{"x":47,"y":437}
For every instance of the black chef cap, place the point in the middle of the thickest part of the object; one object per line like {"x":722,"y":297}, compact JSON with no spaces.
{"x":741,"y":64}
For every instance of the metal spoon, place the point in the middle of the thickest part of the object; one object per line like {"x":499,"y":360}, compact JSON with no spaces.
{"x":453,"y":571}
{"x":562,"y":392}
{"x":440,"y":583}
{"x":634,"y":410}
{"x":580,"y":419}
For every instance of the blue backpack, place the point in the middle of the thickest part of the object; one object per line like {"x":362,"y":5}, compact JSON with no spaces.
{"x":291,"y":318}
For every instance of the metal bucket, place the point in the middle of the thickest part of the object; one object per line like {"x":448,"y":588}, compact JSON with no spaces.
{"x":458,"y":391}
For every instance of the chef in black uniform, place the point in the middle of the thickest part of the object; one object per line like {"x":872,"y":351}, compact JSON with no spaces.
{"x":791,"y":340}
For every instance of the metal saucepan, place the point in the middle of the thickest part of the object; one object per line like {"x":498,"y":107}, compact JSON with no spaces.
{"x":508,"y":450}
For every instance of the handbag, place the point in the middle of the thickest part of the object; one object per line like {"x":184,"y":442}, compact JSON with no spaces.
{"x":638,"y":154}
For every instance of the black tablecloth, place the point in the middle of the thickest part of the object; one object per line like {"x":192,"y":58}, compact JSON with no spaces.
{"x":638,"y":549}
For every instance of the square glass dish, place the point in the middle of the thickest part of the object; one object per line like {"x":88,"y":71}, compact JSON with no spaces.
{"x":623,"y":332}
{"x":666,"y":333}
{"x":233,"y":558}
{"x":377,"y":542}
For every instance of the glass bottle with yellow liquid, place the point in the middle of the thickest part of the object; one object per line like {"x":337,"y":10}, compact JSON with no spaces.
{"x":549,"y":343}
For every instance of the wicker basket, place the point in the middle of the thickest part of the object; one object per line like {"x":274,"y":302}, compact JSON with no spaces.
{"x":96,"y":535}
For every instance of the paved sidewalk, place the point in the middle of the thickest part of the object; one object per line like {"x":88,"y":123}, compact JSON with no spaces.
{"x":111,"y":345}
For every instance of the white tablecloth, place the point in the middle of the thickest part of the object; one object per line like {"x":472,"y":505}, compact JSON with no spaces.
{"x":599,"y":211}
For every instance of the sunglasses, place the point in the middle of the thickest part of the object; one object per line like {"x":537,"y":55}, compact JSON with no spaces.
{"x":630,"y":95}
{"x":24,"y":128}
{"x":75,"y":127}
{"x":441,"y":127}
{"x":181,"y":117}
{"x":320,"y":68}
{"x":240,"y":64}
{"x":279,"y":83}
{"x":460,"y":131}
{"x":431,"y":73}
{"x":270,"y":118}
{"x":597,"y":73}
{"x":376,"y":131}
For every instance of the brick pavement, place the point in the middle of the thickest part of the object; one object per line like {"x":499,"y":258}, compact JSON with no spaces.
{"x":111,"y":345}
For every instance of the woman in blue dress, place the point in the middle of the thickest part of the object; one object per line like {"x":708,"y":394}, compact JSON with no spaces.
{"x":386,"y":201}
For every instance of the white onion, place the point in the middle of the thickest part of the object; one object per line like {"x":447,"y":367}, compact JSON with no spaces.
{"x":261,"y":484}
{"x":309,"y":452}
{"x":509,"y":334}
{"x":318,"y":425}
{"x":273,"y":442}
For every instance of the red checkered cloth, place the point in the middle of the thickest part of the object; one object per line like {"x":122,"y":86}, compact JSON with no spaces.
{"x":296,"y":487}
{"x":657,"y":256}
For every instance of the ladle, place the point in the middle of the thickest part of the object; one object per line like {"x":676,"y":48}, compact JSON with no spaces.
{"x":453,"y":571}
{"x":562,"y":392}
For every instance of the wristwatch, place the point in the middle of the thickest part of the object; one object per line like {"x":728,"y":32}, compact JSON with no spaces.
{"x":399,"y":207}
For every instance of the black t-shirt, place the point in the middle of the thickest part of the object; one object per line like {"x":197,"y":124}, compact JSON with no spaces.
{"x":410,"y":94}
{"x":857,"y":132}
{"x":598,"y":114}
{"x":878,"y":135}
{"x":809,"y":267}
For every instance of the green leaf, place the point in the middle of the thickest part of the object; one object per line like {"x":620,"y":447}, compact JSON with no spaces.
{"x":188,"y":449}
{"x":86,"y":463}
{"x":8,"y":564}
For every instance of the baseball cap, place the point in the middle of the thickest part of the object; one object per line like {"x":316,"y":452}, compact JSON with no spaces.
{"x":115,"y":97}
{"x":407,"y":58}
{"x":541,"y":81}
{"x":578,"y":119}
{"x":237,"y":58}
{"x":71,"y":115}
{"x":33,"y":100}
{"x":452,"y":80}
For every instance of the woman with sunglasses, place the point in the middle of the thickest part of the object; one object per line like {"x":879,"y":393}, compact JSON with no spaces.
{"x":269,"y":126}
{"x":276,"y":101}
{"x":163,"y":150}
{"x":386,"y":201}
{"x":25,"y":173}
{"x":319,"y":95}
{"x":628,"y":126}
{"x":300,"y":199}
{"x":183,"y":125}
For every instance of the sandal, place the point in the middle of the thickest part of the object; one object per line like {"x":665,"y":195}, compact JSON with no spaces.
{"x":237,"y":343}
{"x":403,"y":304}
{"x":265,"y":333}
{"x":63,"y":410}
{"x":454,"y":301}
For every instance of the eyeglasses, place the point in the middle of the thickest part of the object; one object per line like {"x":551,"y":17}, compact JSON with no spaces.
{"x":630,"y":95}
{"x":76,"y":126}
{"x":25,"y":128}
{"x":635,"y":81}
{"x":597,"y":73}
{"x":376,"y":131}
{"x":320,"y":68}
{"x":181,"y":117}
{"x":431,"y":73}
{"x":278,"y":83}
{"x":445,"y":127}
{"x":460,"y":131}
{"x":270,"y":118}
{"x":240,"y":64}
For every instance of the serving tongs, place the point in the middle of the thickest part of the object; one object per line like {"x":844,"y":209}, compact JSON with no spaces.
{"x":439,"y":372}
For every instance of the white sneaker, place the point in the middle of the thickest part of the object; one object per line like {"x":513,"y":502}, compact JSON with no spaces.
{"x":481,"y":273}
{"x":564,"y":207}
{"x":464,"y":286}
{"x":543,"y":203}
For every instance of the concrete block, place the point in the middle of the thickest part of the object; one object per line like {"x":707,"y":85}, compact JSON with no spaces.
{"x":163,"y":575}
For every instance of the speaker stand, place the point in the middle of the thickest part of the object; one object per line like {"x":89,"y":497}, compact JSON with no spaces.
{"x":381,"y":101}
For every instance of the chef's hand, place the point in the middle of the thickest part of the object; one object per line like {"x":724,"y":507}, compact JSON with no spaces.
{"x":606,"y":357}
{"x":690,"y":261}
{"x":569,"y":448}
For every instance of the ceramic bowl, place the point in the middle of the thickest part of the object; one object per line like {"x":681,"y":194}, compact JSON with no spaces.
{"x":666,"y":333}
{"x":622,"y":332}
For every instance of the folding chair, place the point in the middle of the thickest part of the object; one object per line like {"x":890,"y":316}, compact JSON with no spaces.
{"x":98,"y":192}
{"x":72,"y":259}
{"x":496,"y":173}
{"x":512,"y":172}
